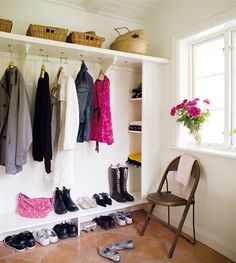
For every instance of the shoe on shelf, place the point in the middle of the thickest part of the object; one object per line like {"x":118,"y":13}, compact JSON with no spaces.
{"x":29,"y":239}
{"x":121,"y":245}
{"x":85,"y":202}
{"x":72,"y":229}
{"x":99,"y":200}
{"x":15,"y":242}
{"x":108,"y":253}
{"x":59,"y":206}
{"x":90,"y":202}
{"x":106,"y":198}
{"x":41,"y":238}
{"x":82,"y":203}
{"x":51,"y":235}
{"x":61,"y":231}
{"x":70,"y":205}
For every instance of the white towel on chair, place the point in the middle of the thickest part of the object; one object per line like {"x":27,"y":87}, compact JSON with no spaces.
{"x":183,"y":173}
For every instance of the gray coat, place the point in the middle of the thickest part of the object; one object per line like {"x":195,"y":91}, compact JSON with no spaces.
{"x":15,"y":121}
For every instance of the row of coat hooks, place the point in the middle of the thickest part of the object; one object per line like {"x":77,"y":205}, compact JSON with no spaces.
{"x":104,"y":65}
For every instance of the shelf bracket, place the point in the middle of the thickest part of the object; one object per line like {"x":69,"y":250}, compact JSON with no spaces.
{"x":107,"y":63}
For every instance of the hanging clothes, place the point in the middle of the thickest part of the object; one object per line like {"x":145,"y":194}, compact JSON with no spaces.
{"x":65,"y":125}
{"x":101,"y":125}
{"x":84,"y":88}
{"x":15,"y":121}
{"x":42,"y":144}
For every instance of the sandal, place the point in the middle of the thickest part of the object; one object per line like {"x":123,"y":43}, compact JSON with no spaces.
{"x":99,"y":200}
{"x":106,"y":198}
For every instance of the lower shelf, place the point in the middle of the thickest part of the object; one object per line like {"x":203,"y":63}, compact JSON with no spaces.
{"x":13,"y":223}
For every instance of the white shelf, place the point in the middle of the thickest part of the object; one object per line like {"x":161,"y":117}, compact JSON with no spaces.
{"x":13,"y":223}
{"x":31,"y":46}
{"x":134,"y":100}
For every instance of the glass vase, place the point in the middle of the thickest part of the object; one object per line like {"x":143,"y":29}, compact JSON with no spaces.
{"x":197,"y":136}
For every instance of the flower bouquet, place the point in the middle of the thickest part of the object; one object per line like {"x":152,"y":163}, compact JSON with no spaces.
{"x":192,"y":116}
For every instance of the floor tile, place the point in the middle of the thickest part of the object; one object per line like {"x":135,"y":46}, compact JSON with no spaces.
{"x":5,"y":251}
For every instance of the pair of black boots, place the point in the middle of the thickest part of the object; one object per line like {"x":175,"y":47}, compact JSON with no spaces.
{"x":63,"y":202}
{"x":118,"y":182}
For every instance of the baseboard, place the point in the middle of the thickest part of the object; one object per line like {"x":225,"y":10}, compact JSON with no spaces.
{"x":209,"y":239}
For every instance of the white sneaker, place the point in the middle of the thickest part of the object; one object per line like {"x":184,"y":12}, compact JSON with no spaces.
{"x":128,"y":218}
{"x":51,"y":234}
{"x":120,"y":219}
{"x":41,"y":237}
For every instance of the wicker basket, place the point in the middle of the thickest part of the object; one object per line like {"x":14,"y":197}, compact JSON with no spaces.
{"x":133,"y":41}
{"x":5,"y":25}
{"x":47,"y":32}
{"x":86,"y":39}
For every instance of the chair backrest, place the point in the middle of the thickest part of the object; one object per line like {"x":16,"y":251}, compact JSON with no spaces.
{"x":173,"y":166}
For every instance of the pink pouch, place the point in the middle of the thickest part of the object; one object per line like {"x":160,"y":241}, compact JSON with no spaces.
{"x":34,"y":207}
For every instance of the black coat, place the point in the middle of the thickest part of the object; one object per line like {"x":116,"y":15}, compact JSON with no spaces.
{"x":42,"y":143}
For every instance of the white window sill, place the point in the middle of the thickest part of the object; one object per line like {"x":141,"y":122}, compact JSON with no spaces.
{"x":206,"y":151}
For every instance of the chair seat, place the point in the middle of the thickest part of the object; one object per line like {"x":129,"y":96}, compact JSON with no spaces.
{"x":166,"y":199}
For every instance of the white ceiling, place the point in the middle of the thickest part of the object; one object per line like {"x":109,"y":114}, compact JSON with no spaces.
{"x":133,"y":10}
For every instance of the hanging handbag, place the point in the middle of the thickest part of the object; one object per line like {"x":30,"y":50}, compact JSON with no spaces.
{"x":34,"y":207}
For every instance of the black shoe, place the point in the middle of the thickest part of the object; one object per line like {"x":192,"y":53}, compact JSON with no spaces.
{"x":123,"y":183}
{"x":70,"y":205}
{"x":116,"y":193}
{"x":138,"y":89}
{"x":106,"y":198}
{"x":61,"y":231}
{"x":105,"y":222}
{"x":72,"y":229}
{"x":59,"y":206}
{"x":99,"y":200}
{"x":28,"y":238}
{"x":15,"y":242}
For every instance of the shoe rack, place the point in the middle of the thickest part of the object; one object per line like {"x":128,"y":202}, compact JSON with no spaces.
{"x":125,"y":71}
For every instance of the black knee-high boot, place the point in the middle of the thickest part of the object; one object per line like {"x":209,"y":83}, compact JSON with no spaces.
{"x":123,"y":182}
{"x":115,"y":184}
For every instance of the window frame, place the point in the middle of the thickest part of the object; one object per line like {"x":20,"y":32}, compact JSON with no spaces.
{"x":229,"y":81}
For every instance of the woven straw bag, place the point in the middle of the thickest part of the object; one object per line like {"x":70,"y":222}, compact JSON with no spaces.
{"x":133,"y":41}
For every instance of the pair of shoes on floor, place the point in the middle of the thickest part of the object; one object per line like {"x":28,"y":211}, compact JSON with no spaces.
{"x":63,"y":202}
{"x":45,"y":236}
{"x":102,"y":199}
{"x":85,"y":202}
{"x":88,"y":226}
{"x":20,"y":241}
{"x":105,"y":222}
{"x":122,"y":218}
{"x":110,"y":251}
{"x":65,"y":230}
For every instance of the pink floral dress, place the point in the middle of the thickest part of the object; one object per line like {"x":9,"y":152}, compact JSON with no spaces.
{"x":101,"y":125}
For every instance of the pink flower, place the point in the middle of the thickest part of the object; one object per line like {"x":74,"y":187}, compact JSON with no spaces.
{"x":180,"y":106}
{"x":192,"y":103}
{"x":206,"y":101}
{"x":185,"y":101}
{"x":194,"y":111}
{"x":197,"y":99}
{"x":173,"y":111}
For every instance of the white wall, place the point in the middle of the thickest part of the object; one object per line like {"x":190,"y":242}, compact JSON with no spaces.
{"x":25,"y":12}
{"x":216,"y":194}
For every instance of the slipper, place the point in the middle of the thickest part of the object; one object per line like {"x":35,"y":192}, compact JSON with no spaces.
{"x":90,"y":202}
{"x":82,"y":203}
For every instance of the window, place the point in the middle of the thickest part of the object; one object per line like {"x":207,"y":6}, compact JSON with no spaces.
{"x":207,"y":69}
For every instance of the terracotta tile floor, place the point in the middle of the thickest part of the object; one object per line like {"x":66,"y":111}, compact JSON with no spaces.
{"x":150,"y":248}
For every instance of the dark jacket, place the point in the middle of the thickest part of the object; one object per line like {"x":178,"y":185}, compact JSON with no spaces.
{"x":84,"y":88}
{"x":42,"y":145}
{"x":15,"y":121}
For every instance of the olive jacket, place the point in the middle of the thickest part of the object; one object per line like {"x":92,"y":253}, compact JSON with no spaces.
{"x":15,"y":121}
